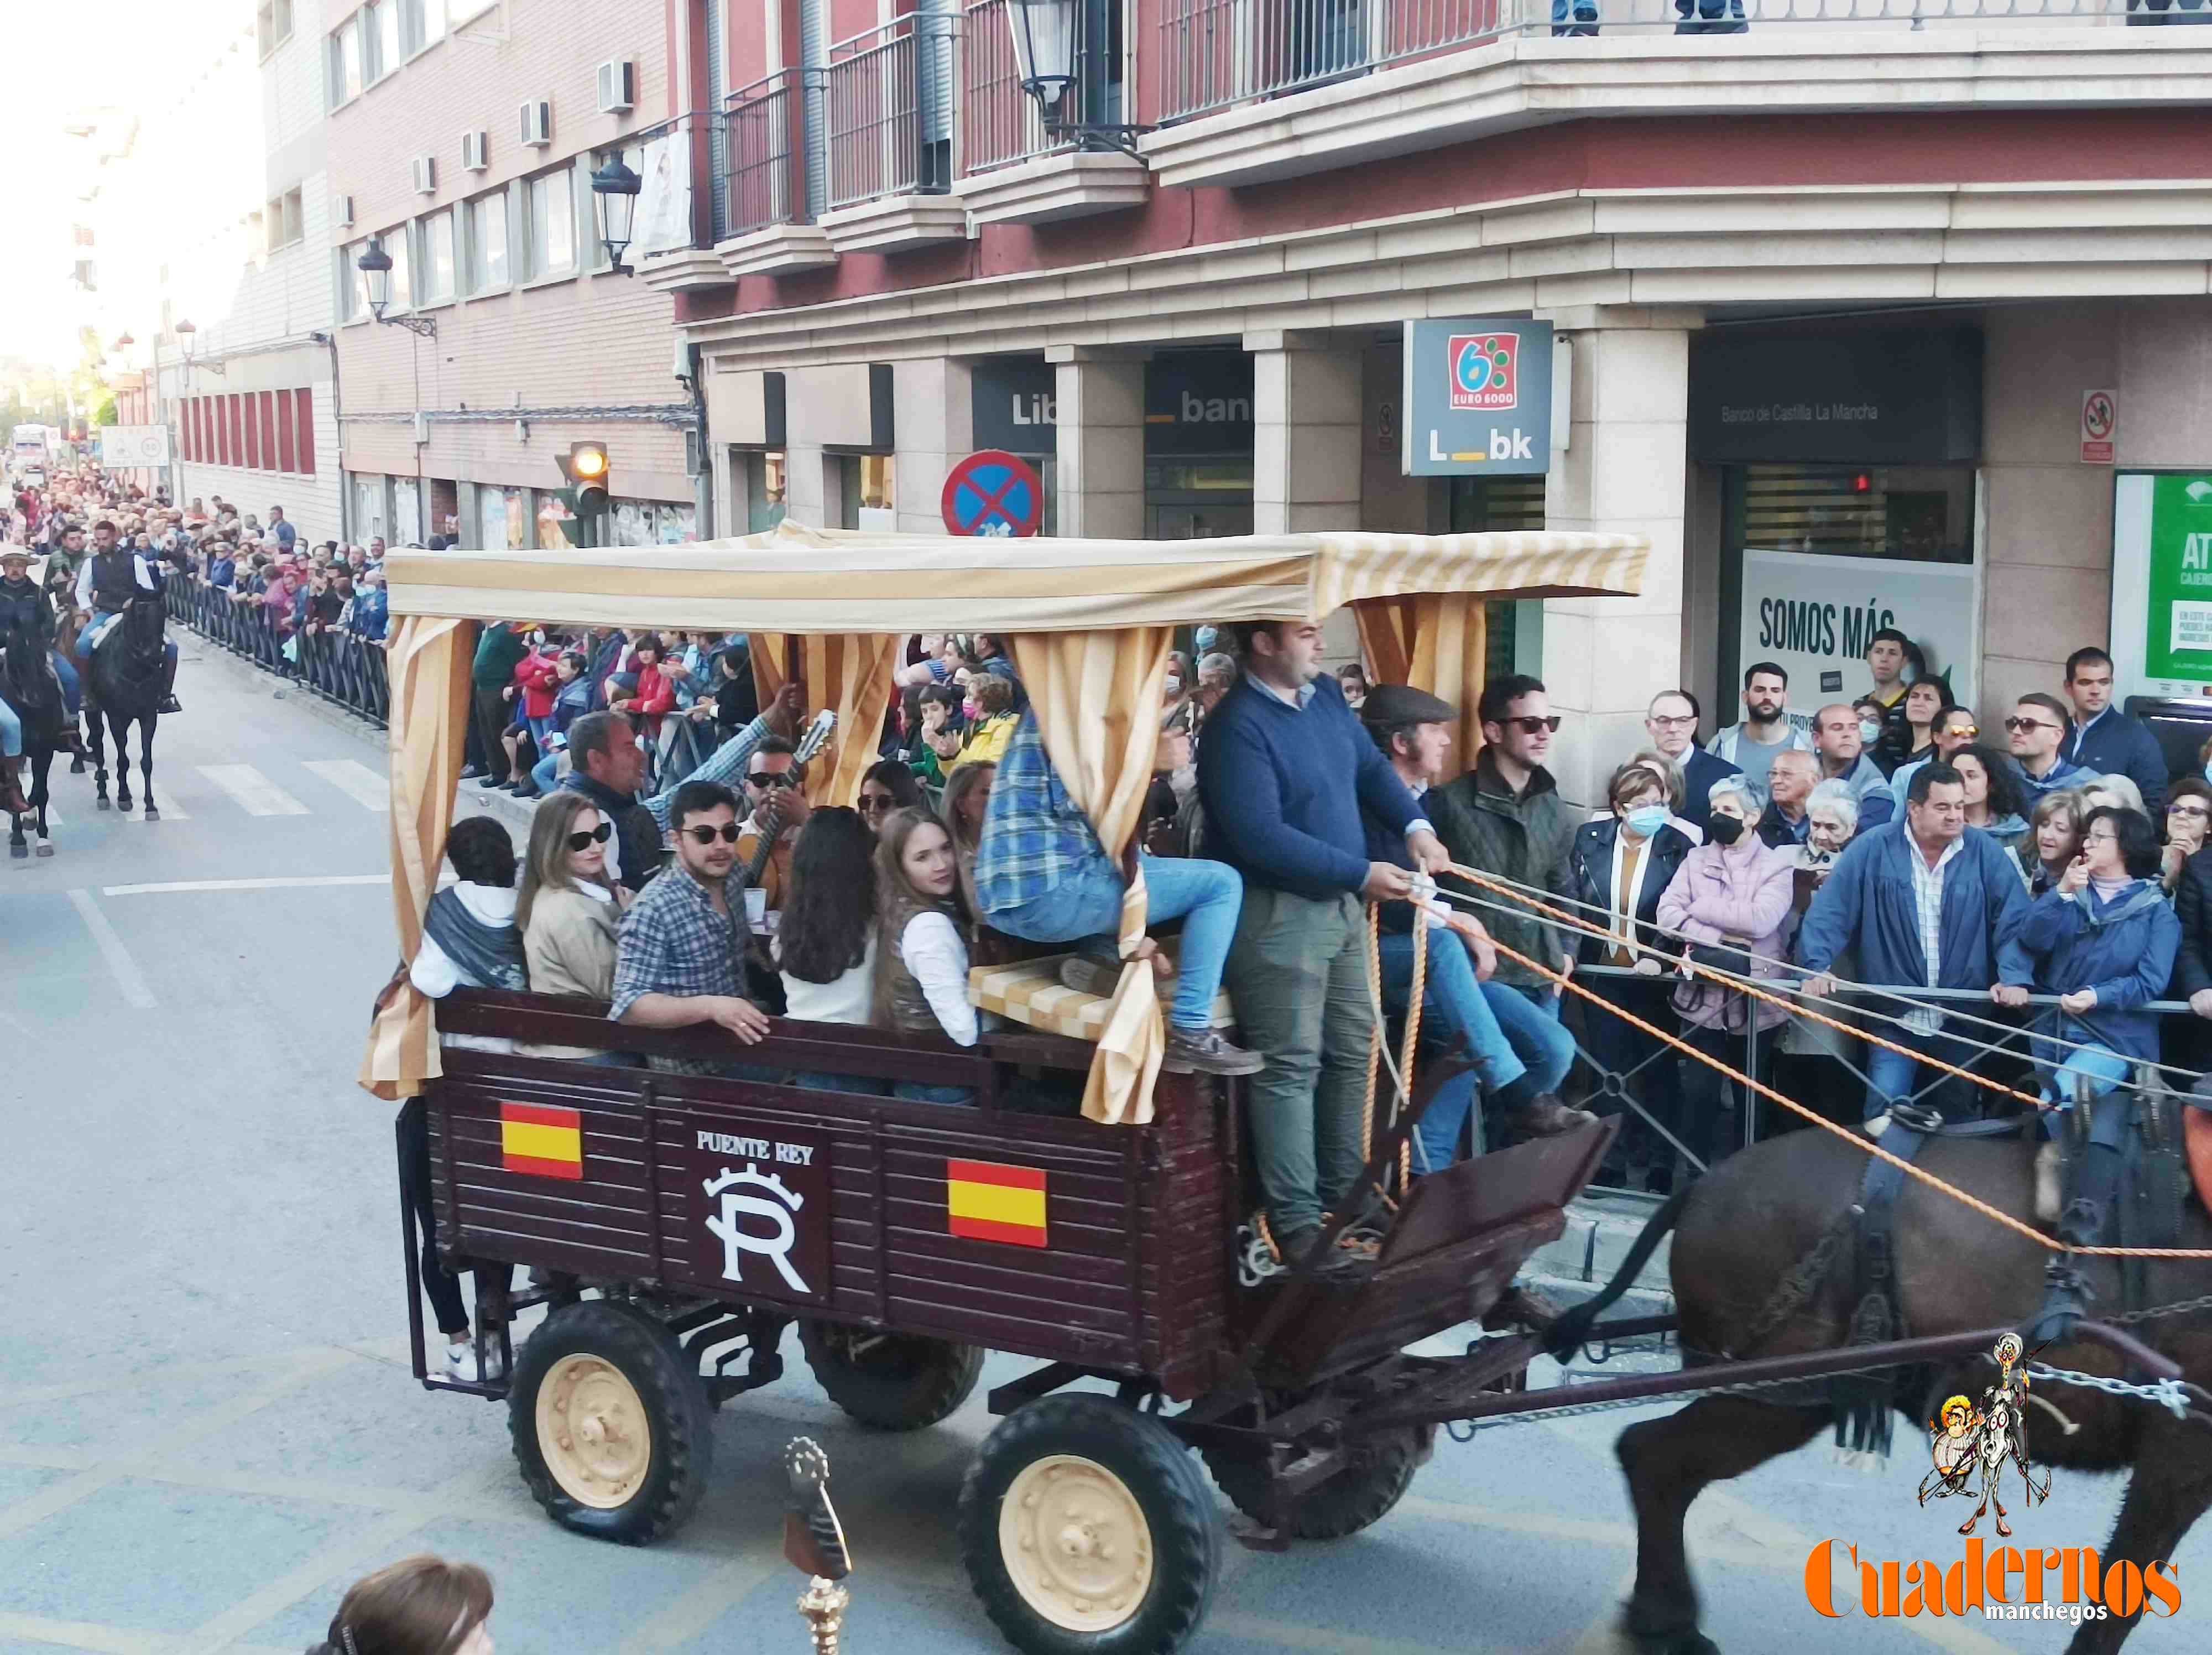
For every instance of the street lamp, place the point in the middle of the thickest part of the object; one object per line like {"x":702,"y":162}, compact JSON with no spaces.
{"x":185,"y":332}
{"x":616,"y":188}
{"x":376,"y":265}
{"x":1047,"y":39}
{"x":123,"y":343}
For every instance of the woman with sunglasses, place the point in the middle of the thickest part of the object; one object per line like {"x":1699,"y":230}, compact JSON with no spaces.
{"x":568,"y":910}
{"x":1953,"y":730}
{"x":886,"y":786}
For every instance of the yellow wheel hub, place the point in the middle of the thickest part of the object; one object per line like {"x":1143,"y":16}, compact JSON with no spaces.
{"x":593,"y":1431}
{"x":1076,"y":1543}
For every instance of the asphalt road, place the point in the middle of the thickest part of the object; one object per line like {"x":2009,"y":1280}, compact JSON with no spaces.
{"x":207,"y":1428}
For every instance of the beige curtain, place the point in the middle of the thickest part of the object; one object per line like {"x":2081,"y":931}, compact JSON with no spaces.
{"x":849,"y":673}
{"x":429,"y":667}
{"x":1097,"y":697}
{"x":1439,"y":643}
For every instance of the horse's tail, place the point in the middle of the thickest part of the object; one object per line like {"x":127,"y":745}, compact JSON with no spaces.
{"x":1571,"y":1330}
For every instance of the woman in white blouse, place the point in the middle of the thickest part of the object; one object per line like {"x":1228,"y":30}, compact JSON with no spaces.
{"x":825,"y":942}
{"x":922,"y":958}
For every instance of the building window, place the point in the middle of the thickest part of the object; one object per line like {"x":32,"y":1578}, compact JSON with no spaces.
{"x":272,"y":25}
{"x":345,"y":61}
{"x":459,"y":12}
{"x":552,"y":223}
{"x":352,"y":289}
{"x":422,"y":22}
{"x":283,"y":222}
{"x":253,"y":432}
{"x":233,"y":452}
{"x":437,"y":282}
{"x":396,"y":244}
{"x":488,"y":265}
{"x":380,"y":39}
{"x":285,"y":426}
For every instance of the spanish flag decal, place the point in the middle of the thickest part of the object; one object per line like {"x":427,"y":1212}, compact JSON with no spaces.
{"x":545,"y":1142}
{"x":986,"y":1201}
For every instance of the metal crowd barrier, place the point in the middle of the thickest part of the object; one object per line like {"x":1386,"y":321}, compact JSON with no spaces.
{"x":343,"y":669}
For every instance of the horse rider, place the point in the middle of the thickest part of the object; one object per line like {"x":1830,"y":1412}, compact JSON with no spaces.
{"x":24,"y":607}
{"x":15,"y":617}
{"x":106,"y":583}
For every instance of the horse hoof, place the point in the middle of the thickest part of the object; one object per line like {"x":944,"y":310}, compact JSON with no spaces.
{"x":101,"y":801}
{"x":20,"y":851}
{"x":45,"y":849}
{"x":76,"y":767}
{"x":153,"y":815}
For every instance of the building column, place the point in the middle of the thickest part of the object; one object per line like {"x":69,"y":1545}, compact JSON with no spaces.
{"x":1306,"y":441}
{"x":1099,"y":398}
{"x":1625,"y":472}
{"x":805,"y":486}
{"x":933,"y":417}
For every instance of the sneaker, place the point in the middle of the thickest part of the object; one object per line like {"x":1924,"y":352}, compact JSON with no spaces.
{"x":1095,"y":974}
{"x":1203,"y":1051}
{"x":461,"y":1363}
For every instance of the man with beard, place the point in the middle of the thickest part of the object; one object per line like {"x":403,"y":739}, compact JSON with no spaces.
{"x":1766,"y":728}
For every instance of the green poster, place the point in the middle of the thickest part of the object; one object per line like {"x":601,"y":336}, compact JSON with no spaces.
{"x":2178,"y":643}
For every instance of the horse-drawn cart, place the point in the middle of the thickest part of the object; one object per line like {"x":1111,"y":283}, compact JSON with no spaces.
{"x":676,"y":1227}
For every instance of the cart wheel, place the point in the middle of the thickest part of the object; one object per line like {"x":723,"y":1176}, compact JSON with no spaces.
{"x":1087,"y":1530}
{"x":891,"y":1381}
{"x":610,"y":1423}
{"x":1356,"y":1497}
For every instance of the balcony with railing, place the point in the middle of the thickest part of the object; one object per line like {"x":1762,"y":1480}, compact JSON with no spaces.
{"x":887,"y":100}
{"x":1014,"y":166}
{"x":765,"y":193}
{"x":1249,"y":90}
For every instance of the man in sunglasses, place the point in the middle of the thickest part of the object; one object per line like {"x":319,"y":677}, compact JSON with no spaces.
{"x":776,"y":810}
{"x":2103,"y":739}
{"x":679,"y":956}
{"x":2034,"y":733}
{"x":1504,"y":818}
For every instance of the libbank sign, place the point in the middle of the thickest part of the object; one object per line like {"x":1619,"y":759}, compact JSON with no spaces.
{"x":1477,"y":397}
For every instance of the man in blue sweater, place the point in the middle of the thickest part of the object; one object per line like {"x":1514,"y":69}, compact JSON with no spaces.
{"x":1285,"y":771}
{"x":1927,"y":903}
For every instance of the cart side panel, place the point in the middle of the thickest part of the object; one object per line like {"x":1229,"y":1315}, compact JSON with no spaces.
{"x":1188,"y":1213}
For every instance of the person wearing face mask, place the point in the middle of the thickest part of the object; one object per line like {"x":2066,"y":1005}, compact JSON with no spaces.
{"x":2104,"y":941}
{"x":1619,"y":868}
{"x":1839,"y":739}
{"x":991,"y":720}
{"x":1729,"y":900}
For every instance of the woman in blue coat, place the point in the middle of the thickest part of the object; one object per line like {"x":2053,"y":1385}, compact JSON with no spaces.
{"x":2103,"y":938}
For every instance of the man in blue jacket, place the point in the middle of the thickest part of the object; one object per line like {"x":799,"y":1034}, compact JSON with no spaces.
{"x":1286,"y":772}
{"x":1928,"y":903}
{"x":2103,"y":739}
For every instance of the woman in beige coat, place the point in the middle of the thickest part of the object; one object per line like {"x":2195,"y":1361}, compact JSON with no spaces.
{"x":568,"y":910}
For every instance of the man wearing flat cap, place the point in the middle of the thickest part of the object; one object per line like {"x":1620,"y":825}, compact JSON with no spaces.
{"x":1520,"y":1054}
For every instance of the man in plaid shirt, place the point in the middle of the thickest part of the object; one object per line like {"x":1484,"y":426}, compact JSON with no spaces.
{"x":680,"y":952}
{"x":1041,"y":875}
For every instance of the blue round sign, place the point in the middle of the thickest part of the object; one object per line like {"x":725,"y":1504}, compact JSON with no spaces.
{"x":993,"y":493}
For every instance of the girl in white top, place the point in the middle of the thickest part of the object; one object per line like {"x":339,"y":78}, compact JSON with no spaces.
{"x":921,"y":965}
{"x":826,"y":943}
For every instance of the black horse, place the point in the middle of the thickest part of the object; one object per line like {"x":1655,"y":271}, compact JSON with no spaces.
{"x":123,"y":688}
{"x":27,"y":683}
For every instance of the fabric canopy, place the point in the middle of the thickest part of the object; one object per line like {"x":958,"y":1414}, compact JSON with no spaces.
{"x":1436,"y":643}
{"x":798,"y":580}
{"x":849,"y":673}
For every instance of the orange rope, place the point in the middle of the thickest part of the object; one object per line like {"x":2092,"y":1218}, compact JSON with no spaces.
{"x":1857,"y":1139}
{"x":1695,"y":970}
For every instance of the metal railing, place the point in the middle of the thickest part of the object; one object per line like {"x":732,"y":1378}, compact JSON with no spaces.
{"x":889,"y":96}
{"x":763,"y":179}
{"x":1215,"y":53}
{"x":339,"y":667}
{"x":998,"y":122}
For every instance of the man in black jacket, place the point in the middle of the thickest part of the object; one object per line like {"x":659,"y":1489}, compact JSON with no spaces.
{"x":2104,"y":739}
{"x":1672,"y":724}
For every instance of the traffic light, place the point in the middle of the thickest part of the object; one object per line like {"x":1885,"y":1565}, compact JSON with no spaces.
{"x":585,"y":467}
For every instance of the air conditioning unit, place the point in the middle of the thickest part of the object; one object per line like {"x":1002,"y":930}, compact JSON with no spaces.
{"x":345,"y":212}
{"x":424,"y":170}
{"x":537,"y":122}
{"x":475,"y":151}
{"x":617,"y":86}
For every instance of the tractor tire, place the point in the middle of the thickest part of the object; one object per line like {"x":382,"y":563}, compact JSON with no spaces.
{"x":1360,"y":1495}
{"x":890,"y":1381}
{"x":610,"y":1423}
{"x":1087,"y":1530}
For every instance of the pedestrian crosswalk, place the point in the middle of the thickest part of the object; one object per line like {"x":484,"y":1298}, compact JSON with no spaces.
{"x":325,"y":785}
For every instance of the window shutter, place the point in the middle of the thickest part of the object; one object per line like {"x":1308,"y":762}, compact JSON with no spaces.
{"x":304,"y":406}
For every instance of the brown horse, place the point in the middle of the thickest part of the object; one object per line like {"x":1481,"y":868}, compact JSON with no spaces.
{"x":1741,"y":1227}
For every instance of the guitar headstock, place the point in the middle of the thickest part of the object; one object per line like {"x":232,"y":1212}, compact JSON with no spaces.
{"x":806,"y":1467}
{"x":819,"y":731}
{"x":813,"y":1539}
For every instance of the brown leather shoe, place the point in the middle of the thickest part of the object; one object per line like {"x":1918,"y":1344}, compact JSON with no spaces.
{"x":1547,"y":1118}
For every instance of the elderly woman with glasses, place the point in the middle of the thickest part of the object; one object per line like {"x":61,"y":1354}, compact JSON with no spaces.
{"x":1815,"y":1064}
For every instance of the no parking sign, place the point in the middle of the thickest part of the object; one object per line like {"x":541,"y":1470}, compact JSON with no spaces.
{"x":993,"y":493}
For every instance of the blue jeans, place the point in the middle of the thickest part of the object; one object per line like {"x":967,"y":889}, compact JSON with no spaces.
{"x":1206,"y":896}
{"x":2103,"y":1067}
{"x":168,"y":645}
{"x":1891,"y":1077}
{"x":1574,"y":16}
{"x":916,"y":1091}
{"x":1507,"y":1035}
{"x":72,"y":686}
{"x":541,"y":773}
{"x":11,"y":732}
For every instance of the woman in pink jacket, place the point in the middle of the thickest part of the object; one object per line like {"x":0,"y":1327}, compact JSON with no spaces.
{"x":1731,"y":895}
